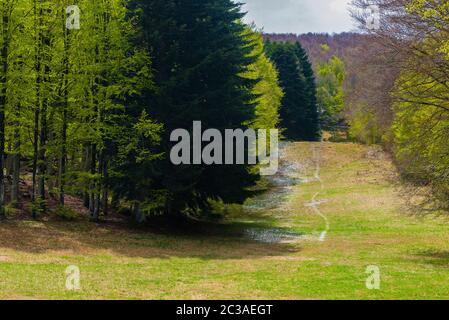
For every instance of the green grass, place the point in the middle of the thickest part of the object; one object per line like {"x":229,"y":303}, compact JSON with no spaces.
{"x":369,"y":225}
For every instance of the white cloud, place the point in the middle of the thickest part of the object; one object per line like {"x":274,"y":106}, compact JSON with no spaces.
{"x":299,"y":16}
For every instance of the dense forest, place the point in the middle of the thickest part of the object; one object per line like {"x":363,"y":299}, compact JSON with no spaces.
{"x":92,"y":90}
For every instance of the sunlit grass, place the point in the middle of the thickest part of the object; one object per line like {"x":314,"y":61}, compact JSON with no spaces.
{"x":369,"y":225}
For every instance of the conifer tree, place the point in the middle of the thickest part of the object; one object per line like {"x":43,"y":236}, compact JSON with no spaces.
{"x":199,"y":53}
{"x":312,"y":131}
{"x":299,"y":114}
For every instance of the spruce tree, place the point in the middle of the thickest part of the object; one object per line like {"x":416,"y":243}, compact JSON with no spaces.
{"x":312,"y":132}
{"x":199,"y":53}
{"x":299,"y":114}
{"x":292,"y":112}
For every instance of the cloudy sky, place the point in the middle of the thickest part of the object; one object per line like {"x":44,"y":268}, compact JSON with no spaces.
{"x":299,"y":16}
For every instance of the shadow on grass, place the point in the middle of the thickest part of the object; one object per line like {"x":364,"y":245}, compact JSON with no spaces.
{"x":434,"y":257}
{"x":253,"y":238}
{"x":200,"y":240}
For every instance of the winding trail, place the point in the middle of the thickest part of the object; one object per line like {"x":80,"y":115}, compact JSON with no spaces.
{"x":281,"y":185}
{"x":314,"y":203}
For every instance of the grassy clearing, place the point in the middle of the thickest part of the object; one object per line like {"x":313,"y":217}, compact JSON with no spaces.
{"x":369,"y":225}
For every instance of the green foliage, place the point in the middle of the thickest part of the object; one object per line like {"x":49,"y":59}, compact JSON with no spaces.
{"x":421,"y":124}
{"x":91,"y":110}
{"x":66,"y":213}
{"x":364,"y":127}
{"x":267,"y":91}
{"x":37,"y":207}
{"x":405,"y":87}
{"x":68,"y":91}
{"x":325,"y":47}
{"x":202,"y":63}
{"x":11,"y":210}
{"x":330,"y":93}
{"x":421,"y":130}
{"x":299,"y":113}
{"x":312,"y":125}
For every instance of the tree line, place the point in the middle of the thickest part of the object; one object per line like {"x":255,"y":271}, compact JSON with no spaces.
{"x":88,"y":112}
{"x":403,"y":93}
{"x":325,"y":68}
{"x":299,"y":112}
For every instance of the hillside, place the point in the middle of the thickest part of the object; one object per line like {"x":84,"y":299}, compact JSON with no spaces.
{"x":346,"y":45}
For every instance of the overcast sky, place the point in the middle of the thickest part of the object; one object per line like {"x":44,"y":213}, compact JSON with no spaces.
{"x":299,"y":16}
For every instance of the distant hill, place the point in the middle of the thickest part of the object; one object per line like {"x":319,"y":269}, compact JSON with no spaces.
{"x":351,"y":47}
{"x":345,"y":45}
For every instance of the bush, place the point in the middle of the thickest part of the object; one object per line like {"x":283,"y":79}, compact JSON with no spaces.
{"x":11,"y":210}
{"x":364,"y":128}
{"x":421,"y":142}
{"x":66,"y":213}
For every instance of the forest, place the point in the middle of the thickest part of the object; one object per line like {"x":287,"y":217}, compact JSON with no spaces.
{"x":101,"y":197}
{"x":87,"y":111}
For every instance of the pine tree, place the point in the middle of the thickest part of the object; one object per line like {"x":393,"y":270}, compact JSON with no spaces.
{"x":312,"y":132}
{"x":292,"y":112}
{"x":199,"y":52}
{"x":299,"y":114}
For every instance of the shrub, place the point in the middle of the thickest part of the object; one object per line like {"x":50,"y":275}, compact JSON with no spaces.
{"x":364,"y":128}
{"x":66,"y":213}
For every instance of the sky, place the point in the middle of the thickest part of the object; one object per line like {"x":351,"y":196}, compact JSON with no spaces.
{"x":299,"y":16}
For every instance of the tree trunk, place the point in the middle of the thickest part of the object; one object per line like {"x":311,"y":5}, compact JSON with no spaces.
{"x":93,"y":166}
{"x":99,"y":187}
{"x":115,"y":201}
{"x":86,"y":168}
{"x":105,"y":196}
{"x":42,"y":165}
{"x":3,"y":80}
{"x":15,"y":188}
{"x":38,"y":48}
{"x":138,"y":216}
{"x":63,"y":159}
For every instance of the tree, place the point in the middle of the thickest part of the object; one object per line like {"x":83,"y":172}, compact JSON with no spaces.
{"x":267,"y":91}
{"x":114,"y":73}
{"x":414,"y":41}
{"x":330,"y":92}
{"x":298,"y":112}
{"x":6,"y":10}
{"x":90,"y":114}
{"x":199,"y":53}
{"x":313,"y":117}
